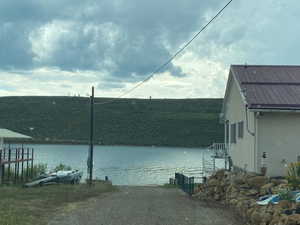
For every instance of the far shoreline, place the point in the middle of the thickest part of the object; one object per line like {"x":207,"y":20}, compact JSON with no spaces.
{"x":74,"y":142}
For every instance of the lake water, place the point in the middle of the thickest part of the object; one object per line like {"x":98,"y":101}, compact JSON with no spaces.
{"x":126,"y":165}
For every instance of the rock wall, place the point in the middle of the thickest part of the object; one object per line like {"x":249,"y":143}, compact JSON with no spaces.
{"x":240,"y":191}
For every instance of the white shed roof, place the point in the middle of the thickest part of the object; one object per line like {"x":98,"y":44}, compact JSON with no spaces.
{"x":5,"y":133}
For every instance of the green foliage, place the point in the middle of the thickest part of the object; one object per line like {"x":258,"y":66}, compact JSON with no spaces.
{"x":293,"y":176}
{"x":10,"y":173}
{"x":285,"y":195}
{"x":169,"y":186}
{"x":62,"y":167}
{"x":38,"y":170}
{"x":160,"y":122}
{"x":32,"y":206}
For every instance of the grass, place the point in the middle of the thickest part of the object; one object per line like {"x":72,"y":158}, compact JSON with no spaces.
{"x":27,"y":206}
{"x":159,"y":122}
{"x":176,"y":186}
{"x":170,"y":186}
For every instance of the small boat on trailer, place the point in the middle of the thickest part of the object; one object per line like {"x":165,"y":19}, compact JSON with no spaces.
{"x":59,"y":177}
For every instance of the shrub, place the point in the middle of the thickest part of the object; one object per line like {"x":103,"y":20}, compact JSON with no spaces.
{"x":285,"y":195}
{"x":293,"y":175}
{"x":38,"y":169}
{"x":62,"y":167}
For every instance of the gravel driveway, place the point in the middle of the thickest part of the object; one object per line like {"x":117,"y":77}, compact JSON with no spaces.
{"x":144,"y":206}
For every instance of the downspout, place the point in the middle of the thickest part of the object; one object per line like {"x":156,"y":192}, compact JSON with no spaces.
{"x":255,"y":143}
{"x":226,"y":142}
{"x":247,"y":121}
{"x":227,"y":134}
{"x":254,"y":134}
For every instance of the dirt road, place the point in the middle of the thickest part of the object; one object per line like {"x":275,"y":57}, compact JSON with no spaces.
{"x":144,"y":206}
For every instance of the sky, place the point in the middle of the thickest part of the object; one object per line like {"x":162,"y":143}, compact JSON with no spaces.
{"x":64,"y":47}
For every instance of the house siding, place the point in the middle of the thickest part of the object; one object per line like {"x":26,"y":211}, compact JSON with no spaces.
{"x":243,"y":151}
{"x":279,"y":137}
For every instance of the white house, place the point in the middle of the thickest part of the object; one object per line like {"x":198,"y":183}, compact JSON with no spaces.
{"x":261,"y":113}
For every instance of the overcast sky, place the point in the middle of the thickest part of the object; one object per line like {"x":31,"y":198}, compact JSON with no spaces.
{"x":63,"y":47}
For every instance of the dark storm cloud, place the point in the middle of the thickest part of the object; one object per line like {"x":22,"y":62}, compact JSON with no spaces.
{"x":15,"y":47}
{"x":38,"y":11}
{"x":123,"y":38}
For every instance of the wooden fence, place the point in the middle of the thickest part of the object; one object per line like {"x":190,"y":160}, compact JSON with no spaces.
{"x":16,"y":164}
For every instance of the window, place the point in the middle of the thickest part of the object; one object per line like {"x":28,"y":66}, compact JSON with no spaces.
{"x":233,"y":133}
{"x":241,"y":129}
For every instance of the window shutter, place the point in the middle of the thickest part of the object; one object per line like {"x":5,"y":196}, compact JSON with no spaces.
{"x":227,"y":132}
{"x":233,"y":133}
{"x":241,"y":129}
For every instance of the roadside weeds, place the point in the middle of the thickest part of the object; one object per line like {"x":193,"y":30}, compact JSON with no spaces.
{"x":27,"y":206}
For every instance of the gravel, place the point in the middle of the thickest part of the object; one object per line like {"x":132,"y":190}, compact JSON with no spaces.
{"x":134,"y":205}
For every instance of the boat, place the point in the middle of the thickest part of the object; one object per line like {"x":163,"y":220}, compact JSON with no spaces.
{"x":275,"y":199}
{"x":62,"y":176}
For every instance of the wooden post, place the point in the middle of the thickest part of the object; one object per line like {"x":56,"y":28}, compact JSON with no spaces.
{"x":91,"y":139}
{"x":192,"y":185}
{"x":27,"y":164}
{"x":18,"y":174}
{"x":1,"y":171}
{"x":16,"y":165}
{"x":22,"y":165}
{"x":32,"y":163}
{"x":3,"y":166}
{"x":9,"y":159}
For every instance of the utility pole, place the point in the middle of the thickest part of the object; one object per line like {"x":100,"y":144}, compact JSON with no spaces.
{"x":91,"y":155}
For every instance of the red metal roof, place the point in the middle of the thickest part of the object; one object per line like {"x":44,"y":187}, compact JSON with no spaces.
{"x":269,"y":87}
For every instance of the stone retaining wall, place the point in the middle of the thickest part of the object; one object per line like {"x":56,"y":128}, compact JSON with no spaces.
{"x":241,"y":191}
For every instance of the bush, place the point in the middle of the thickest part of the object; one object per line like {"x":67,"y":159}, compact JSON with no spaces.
{"x":62,"y":167}
{"x":38,"y":169}
{"x":293,"y":176}
{"x":286,"y":195}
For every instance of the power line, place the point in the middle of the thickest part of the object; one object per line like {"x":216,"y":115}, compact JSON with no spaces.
{"x":170,"y":59}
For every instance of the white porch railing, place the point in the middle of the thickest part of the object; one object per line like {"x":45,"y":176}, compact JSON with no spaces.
{"x":219,"y":150}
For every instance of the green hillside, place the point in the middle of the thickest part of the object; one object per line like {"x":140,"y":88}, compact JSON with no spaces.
{"x":160,"y":122}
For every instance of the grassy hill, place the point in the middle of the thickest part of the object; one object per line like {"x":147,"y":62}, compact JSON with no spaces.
{"x":160,"y":122}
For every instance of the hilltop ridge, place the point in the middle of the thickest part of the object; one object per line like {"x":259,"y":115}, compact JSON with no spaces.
{"x":159,"y":122}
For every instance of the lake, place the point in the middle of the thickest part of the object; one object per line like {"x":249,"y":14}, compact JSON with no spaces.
{"x":126,"y":165}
